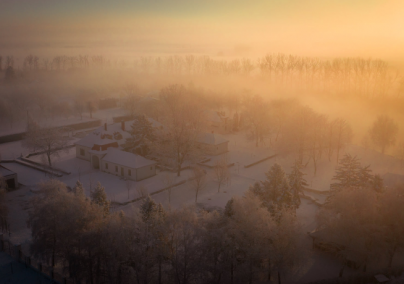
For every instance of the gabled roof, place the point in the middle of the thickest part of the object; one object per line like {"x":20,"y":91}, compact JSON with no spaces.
{"x":211,"y":139}
{"x":126,"y":159}
{"x":99,"y":136}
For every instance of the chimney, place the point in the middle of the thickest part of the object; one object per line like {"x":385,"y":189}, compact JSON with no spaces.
{"x":105,"y":126}
{"x":123,"y":125}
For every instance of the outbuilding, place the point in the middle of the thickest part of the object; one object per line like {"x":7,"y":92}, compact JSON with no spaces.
{"x":10,"y":177}
{"x":213,"y":144}
{"x":127,"y":165}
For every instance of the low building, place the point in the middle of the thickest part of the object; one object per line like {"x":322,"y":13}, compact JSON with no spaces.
{"x":101,"y":139}
{"x":102,"y":148}
{"x":10,"y":177}
{"x":127,"y":165}
{"x":213,"y":144}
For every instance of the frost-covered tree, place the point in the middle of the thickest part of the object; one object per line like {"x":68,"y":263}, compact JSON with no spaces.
{"x":99,"y":197}
{"x":351,"y":174}
{"x":142,"y":132}
{"x":54,"y":240}
{"x":343,"y":135}
{"x":221,"y":172}
{"x":297,"y":183}
{"x":377,"y":183}
{"x":274,"y":191}
{"x":3,"y":205}
{"x":148,"y":209}
{"x":257,"y":115}
{"x":178,"y":144}
{"x":198,"y":181}
{"x":350,"y":220}
{"x":51,"y":141}
{"x":384,"y":132}
{"x":392,"y":220}
{"x":79,"y":190}
{"x":347,"y":173}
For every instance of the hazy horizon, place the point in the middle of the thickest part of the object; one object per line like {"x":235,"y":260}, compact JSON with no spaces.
{"x":125,"y":29}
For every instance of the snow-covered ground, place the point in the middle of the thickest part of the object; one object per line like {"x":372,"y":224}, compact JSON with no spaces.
{"x":241,"y":152}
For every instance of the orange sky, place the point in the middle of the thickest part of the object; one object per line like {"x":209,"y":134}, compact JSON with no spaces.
{"x":367,"y":28}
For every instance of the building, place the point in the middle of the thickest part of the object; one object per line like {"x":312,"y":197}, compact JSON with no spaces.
{"x":102,"y":148}
{"x":10,"y":177}
{"x":127,"y":165}
{"x":213,"y":144}
{"x":101,"y":139}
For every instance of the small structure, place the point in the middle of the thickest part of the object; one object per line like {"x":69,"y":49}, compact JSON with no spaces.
{"x":102,"y":149}
{"x":101,"y":139}
{"x":216,"y":119}
{"x":10,"y":177}
{"x":213,"y":144}
{"x":127,"y":165}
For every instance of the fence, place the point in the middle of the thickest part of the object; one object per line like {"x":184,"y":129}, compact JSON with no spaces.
{"x":76,"y":126}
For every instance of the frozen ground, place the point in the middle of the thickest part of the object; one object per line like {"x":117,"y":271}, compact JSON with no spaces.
{"x":241,"y":152}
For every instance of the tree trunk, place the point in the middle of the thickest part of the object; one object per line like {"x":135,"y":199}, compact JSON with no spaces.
{"x":48,"y":154}
{"x":196,"y":196}
{"x":392,"y":256}
{"x":231,"y":271}
{"x":159,"y":270}
{"x":341,"y":272}
{"x":279,"y":278}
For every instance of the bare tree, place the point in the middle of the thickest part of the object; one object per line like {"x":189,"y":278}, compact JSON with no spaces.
{"x":343,"y":135}
{"x":184,"y":123}
{"x":91,"y":107}
{"x":400,"y":152}
{"x":257,"y":114}
{"x":132,"y":98}
{"x":51,"y":141}
{"x":79,"y":108}
{"x":128,"y":186}
{"x":198,"y":180}
{"x":169,"y":182}
{"x":384,"y":132}
{"x":3,"y":203}
{"x":141,"y":190}
{"x":221,"y":172}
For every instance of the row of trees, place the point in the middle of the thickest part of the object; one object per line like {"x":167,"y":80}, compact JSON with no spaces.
{"x":17,"y":105}
{"x":243,"y":244}
{"x":363,"y":77}
{"x":291,"y":128}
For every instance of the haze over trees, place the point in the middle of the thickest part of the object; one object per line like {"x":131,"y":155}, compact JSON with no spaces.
{"x":384,"y":132}
{"x":177,"y":144}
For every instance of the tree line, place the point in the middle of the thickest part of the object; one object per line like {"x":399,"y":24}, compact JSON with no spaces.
{"x":342,"y":76}
{"x":244,"y":243}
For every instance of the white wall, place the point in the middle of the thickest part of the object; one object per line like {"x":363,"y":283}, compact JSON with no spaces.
{"x":87,"y":155}
{"x":136,"y":174}
{"x":146,"y":172}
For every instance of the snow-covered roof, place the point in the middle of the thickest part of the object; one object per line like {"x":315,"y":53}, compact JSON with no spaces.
{"x":155,"y":123}
{"x":126,"y":159}
{"x":100,"y":136}
{"x":211,"y":139}
{"x":5,"y":172}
